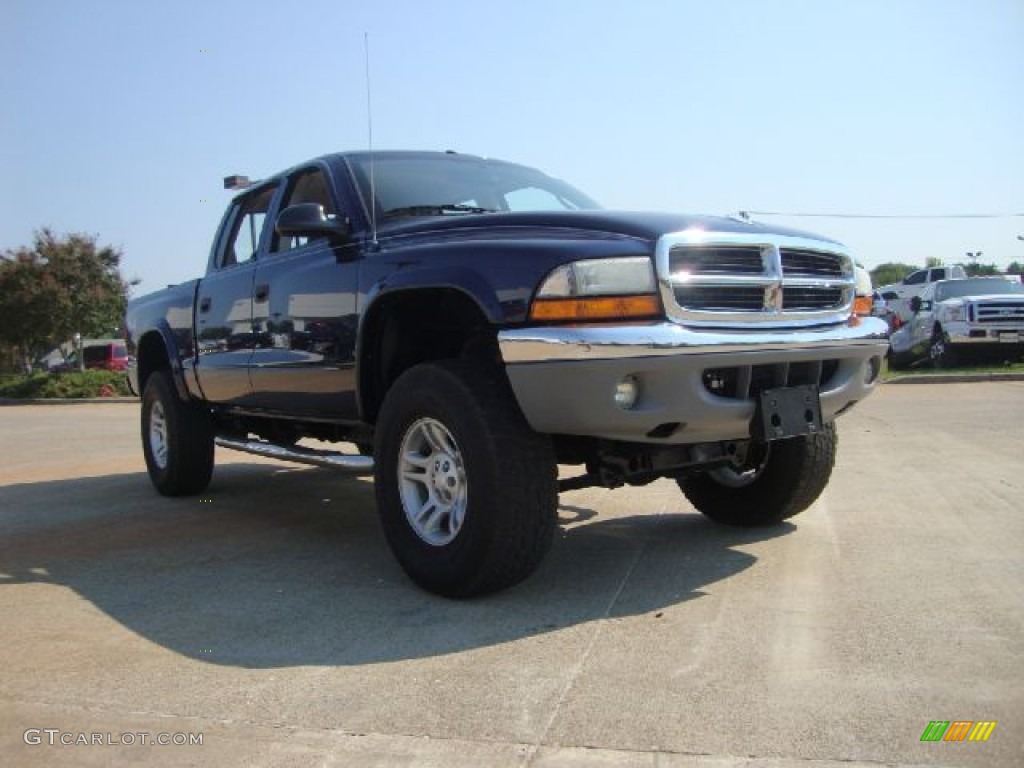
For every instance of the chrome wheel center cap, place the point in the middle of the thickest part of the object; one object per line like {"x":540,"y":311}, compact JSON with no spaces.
{"x":444,"y":476}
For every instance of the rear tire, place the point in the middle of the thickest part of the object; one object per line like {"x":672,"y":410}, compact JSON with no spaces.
{"x":177,"y":439}
{"x":467,"y":491}
{"x":791,"y":476}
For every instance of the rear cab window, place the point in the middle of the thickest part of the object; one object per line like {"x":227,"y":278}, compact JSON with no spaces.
{"x":248,"y":217}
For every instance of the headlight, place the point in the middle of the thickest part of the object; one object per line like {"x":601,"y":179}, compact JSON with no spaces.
{"x":599,"y":277}
{"x":598,"y":289}
{"x":956,"y":314}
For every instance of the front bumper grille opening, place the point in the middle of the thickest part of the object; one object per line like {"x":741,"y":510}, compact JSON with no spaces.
{"x":745,"y":382}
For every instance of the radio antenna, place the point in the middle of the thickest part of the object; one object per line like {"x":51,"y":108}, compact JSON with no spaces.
{"x":369,"y":136}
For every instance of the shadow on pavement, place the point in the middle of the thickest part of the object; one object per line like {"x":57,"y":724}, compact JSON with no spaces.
{"x":277,"y":567}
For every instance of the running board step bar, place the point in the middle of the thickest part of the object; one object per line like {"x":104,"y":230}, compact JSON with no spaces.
{"x":353,"y":465}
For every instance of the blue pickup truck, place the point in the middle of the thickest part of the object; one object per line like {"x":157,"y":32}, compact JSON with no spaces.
{"x":468,"y":325}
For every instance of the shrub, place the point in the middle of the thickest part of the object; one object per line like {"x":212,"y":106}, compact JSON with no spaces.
{"x":65,"y":385}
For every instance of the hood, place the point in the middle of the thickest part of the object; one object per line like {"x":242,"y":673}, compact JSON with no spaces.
{"x":636,"y":224}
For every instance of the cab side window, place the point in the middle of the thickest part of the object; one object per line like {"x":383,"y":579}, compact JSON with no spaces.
{"x":939,"y":274}
{"x":306,"y":187}
{"x":247,"y":230}
{"x":916,"y":278}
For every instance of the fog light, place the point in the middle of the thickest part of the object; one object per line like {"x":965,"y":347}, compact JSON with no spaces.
{"x":626,"y":392}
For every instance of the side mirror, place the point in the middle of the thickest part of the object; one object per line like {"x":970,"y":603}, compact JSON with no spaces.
{"x":308,"y":220}
{"x":915,"y":304}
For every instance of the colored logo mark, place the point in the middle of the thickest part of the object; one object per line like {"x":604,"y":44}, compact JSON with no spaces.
{"x":958,"y":730}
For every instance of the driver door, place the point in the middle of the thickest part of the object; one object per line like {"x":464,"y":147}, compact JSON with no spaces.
{"x":224,"y":303}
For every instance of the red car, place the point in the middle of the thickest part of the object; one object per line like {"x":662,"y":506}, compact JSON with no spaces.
{"x":110,"y":357}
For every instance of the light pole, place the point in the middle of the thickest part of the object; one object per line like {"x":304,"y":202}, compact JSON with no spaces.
{"x":77,"y":340}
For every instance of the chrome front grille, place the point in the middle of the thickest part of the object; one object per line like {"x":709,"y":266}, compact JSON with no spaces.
{"x":718,"y":280}
{"x":724,"y":260}
{"x":721,"y":298}
{"x":799,"y":298}
{"x":810,"y":263}
{"x":1000,"y":312}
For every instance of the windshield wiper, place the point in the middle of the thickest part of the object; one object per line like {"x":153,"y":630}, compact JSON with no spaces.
{"x":435,"y":210}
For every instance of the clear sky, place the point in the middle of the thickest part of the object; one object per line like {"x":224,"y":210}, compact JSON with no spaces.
{"x":121,"y":118}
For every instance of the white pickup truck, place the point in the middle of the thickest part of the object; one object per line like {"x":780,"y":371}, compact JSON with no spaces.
{"x":915,"y":283}
{"x":952,"y":318}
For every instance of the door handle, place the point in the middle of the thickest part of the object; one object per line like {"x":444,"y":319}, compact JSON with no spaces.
{"x":204,"y":304}
{"x":262,"y":292}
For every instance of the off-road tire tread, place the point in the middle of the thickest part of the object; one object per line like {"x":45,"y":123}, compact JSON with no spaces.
{"x":190,"y":437}
{"x":520,"y":491}
{"x":798,"y":471}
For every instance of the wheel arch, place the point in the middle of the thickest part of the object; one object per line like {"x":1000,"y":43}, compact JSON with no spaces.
{"x":406,"y":326}
{"x":154,"y":355}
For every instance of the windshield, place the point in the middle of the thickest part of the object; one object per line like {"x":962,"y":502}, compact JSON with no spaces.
{"x":954,"y":289}
{"x":444,"y":185}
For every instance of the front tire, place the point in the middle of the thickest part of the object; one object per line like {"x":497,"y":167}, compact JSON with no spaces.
{"x":782,"y":483}
{"x":177,"y":439}
{"x":941,"y":351}
{"x":896,"y":362}
{"x":467,"y":491}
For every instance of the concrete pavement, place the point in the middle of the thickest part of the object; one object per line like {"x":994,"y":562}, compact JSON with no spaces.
{"x":269,"y":616}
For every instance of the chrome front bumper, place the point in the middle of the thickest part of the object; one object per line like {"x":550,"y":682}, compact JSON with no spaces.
{"x":595,"y":342}
{"x":565,"y":377}
{"x":992,"y":337}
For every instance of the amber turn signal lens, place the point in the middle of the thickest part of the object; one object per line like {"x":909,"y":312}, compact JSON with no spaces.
{"x":862,"y":305}
{"x":595,"y":308}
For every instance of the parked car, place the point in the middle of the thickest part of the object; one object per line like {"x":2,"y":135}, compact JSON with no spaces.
{"x":109,"y":356}
{"x":479,"y":323}
{"x":954,"y":319}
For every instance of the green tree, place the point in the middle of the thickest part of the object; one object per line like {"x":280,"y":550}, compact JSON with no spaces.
{"x":59,"y":286}
{"x":1015,"y":268}
{"x":933,"y":261}
{"x":891,"y":272}
{"x":974,"y":269}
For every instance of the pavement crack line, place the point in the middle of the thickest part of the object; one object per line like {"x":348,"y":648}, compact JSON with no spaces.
{"x":577,"y":669}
